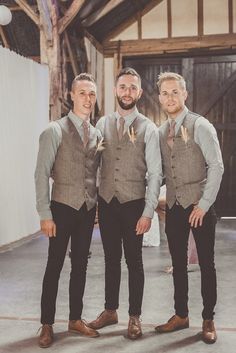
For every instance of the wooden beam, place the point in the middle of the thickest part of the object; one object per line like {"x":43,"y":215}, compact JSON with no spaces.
{"x":154,"y":46}
{"x":169,"y":18}
{"x":45,"y":19}
{"x":139,"y":25}
{"x":230,"y":9}
{"x":14,"y":8}
{"x":28,"y":10}
{"x":72,"y":54}
{"x":4,"y":38}
{"x":125,"y":24}
{"x":200,"y":17}
{"x":70,"y":14}
{"x":94,"y":41}
{"x":96,"y":15}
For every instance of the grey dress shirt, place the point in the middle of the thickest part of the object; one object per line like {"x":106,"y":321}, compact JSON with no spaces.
{"x":206,"y":137}
{"x":153,"y":160}
{"x":49,"y":142}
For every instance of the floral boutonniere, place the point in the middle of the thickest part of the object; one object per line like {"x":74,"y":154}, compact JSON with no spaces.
{"x":131,"y":134}
{"x":184,"y":134}
{"x":100,"y":145}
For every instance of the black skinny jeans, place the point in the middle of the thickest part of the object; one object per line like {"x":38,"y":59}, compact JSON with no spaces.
{"x":177,"y":230}
{"x":117,"y":225}
{"x":77,"y":225}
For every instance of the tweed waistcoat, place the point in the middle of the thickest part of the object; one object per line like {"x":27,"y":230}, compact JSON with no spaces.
{"x":184,"y":165}
{"x":123,"y":167}
{"x":75,"y":168}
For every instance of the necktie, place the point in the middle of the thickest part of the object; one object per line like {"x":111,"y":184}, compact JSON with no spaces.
{"x":86,"y":133}
{"x":121,"y":127}
{"x":171,"y":135}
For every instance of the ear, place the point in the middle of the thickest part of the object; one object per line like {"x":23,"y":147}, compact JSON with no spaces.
{"x":114,"y":91}
{"x":72,"y":96}
{"x":185,"y":95}
{"x":140,"y":93}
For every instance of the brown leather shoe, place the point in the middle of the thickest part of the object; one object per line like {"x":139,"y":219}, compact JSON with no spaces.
{"x":82,"y":328}
{"x":46,"y":336}
{"x":134,"y":328}
{"x":208,"y":331}
{"x":106,"y":318}
{"x":174,"y":324}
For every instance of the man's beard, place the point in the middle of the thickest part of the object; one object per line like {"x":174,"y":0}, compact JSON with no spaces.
{"x":126,"y":106}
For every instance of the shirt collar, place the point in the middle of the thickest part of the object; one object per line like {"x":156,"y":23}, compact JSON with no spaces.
{"x":179,"y":119}
{"x":76,"y":120}
{"x":128,"y":118}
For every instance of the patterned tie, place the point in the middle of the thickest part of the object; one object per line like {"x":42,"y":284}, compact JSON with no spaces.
{"x":86,"y":133}
{"x":121,"y":127}
{"x":171,"y":135}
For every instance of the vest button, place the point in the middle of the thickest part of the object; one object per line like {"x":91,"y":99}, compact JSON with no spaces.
{"x":116,"y":169}
{"x":118,"y":148}
{"x":117,"y":159}
{"x":116,"y":179}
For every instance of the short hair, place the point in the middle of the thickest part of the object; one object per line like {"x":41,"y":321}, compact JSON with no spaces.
{"x":168,"y":76}
{"x":84,"y":76}
{"x":128,"y":71}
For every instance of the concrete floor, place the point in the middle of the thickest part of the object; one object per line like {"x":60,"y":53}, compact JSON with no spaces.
{"x":21,"y":272}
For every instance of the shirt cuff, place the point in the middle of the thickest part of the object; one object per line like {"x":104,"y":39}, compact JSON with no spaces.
{"x":46,"y":214}
{"x":148,"y":212}
{"x":204,"y":205}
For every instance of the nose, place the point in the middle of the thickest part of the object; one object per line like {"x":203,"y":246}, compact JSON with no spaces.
{"x":87,"y":98}
{"x":127,"y":89}
{"x":170,"y":95}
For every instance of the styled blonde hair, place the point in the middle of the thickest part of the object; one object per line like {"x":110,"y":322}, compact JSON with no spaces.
{"x":168,"y":76}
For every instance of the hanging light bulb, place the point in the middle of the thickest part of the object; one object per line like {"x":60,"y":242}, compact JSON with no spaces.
{"x":5,"y":15}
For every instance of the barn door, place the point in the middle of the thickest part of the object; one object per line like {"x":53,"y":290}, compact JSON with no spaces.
{"x":211,"y":83}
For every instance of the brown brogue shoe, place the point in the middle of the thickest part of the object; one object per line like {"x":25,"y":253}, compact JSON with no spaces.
{"x":208,"y":332}
{"x":175,"y":323}
{"x":82,"y":328}
{"x":46,"y":336}
{"x":134,"y":328}
{"x":106,"y":318}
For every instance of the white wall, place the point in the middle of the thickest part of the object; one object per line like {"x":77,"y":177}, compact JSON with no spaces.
{"x":109,"y":105}
{"x":24,"y":97}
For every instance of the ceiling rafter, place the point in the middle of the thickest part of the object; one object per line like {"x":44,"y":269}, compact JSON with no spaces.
{"x":28,"y":10}
{"x":70,"y":14}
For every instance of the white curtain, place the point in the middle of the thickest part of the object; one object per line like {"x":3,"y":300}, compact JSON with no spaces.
{"x":24,"y":113}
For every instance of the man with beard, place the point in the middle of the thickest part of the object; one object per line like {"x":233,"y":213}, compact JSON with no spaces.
{"x":130,"y":179}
